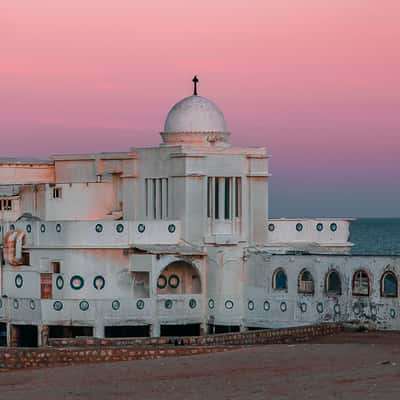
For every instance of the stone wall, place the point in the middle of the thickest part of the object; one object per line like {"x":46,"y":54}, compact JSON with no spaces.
{"x":91,"y":350}
{"x":18,"y":358}
{"x":270,"y":336}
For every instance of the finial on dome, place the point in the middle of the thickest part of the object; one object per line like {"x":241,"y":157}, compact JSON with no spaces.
{"x":195,"y":80}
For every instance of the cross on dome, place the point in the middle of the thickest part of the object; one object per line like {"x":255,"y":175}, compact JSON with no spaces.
{"x":195,"y":80}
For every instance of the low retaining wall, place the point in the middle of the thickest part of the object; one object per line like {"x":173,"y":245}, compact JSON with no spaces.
{"x":18,"y":358}
{"x":269,"y":336}
{"x":91,"y":350}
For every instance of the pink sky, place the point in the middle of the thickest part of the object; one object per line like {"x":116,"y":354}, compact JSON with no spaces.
{"x":316,"y":81}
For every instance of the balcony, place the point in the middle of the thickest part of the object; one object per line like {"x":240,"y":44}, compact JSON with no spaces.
{"x":97,"y":234}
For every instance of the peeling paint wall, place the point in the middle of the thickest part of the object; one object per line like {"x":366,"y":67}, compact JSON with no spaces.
{"x":381,"y":312}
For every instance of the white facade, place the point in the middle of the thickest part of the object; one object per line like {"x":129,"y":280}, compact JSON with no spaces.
{"x":172,"y":240}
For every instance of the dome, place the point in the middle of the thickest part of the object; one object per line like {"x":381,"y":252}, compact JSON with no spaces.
{"x":195,"y":114}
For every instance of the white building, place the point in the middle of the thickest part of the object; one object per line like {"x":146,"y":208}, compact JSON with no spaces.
{"x":172,"y":240}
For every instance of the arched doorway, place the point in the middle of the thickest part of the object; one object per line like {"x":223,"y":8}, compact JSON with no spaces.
{"x":179,"y":277}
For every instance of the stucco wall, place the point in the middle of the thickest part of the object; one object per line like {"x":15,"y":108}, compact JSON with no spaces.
{"x":383,"y":312}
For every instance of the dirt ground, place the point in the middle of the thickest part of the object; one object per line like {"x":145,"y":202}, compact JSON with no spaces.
{"x":346,"y":366}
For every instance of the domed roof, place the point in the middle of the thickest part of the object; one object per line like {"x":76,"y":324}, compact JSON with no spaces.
{"x":195,"y":114}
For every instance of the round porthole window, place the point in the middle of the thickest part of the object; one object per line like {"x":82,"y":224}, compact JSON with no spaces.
{"x":250,"y":305}
{"x":271,"y":227}
{"x":299,"y":227}
{"x":320,"y":308}
{"x":211,"y":304}
{"x":19,"y":281}
{"x":168,"y":304}
{"x":29,"y":228}
{"x":57,"y":305}
{"x":99,"y":228}
{"x":115,"y":305}
{"x":173,"y":281}
{"x":320,"y":227}
{"x":192,"y":303}
{"x":77,"y":282}
{"x":16,"y":304}
{"x":303,"y":307}
{"x":60,"y":282}
{"x":140,"y":304}
{"x":32,"y":304}
{"x":267,"y":306}
{"x":171,"y":228}
{"x":120,"y":228}
{"x":336,"y":308}
{"x":333,"y":227}
{"x":84,"y":305}
{"x":58,"y":228}
{"x":43,"y":228}
{"x":12,"y":227}
{"x":392,"y":313}
{"x":229,"y":304}
{"x":161,"y":282}
{"x":283,"y":306}
{"x":99,"y":282}
{"x":141,"y":228}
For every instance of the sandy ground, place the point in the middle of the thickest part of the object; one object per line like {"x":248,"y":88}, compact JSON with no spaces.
{"x":347,"y":366}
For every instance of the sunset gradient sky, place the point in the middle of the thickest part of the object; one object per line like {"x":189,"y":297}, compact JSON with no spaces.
{"x":316,"y":81}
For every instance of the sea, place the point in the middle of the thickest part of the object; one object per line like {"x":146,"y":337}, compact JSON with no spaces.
{"x":375,"y":236}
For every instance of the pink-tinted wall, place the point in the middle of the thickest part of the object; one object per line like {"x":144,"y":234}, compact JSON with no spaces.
{"x":316,"y":81}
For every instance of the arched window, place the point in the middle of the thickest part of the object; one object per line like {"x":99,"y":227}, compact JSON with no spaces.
{"x":333,"y":283}
{"x":361,"y":286}
{"x":279,"y":281}
{"x":306,"y":282}
{"x":389,"y":285}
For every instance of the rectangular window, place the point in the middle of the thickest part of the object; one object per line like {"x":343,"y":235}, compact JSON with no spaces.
{"x":6,"y":205}
{"x":216,"y":199}
{"x":238,"y":196}
{"x":57,"y":193}
{"x":209,"y":194}
{"x":146,"y":190}
{"x":55,"y":267}
{"x":224,"y":197}
{"x":166,"y":198}
{"x":156,"y":198}
{"x":227,"y":199}
{"x":160,"y":186}
{"x":26,"y":259}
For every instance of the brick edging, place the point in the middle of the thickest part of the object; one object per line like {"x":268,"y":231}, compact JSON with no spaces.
{"x":18,"y":358}
{"x":266,"y":336}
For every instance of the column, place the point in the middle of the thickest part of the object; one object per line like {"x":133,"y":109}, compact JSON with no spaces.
{"x":43,"y":335}
{"x":98,"y":331}
{"x":164,"y":203}
{"x":155,"y":329}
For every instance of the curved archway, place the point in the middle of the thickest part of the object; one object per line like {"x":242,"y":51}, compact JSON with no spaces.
{"x":306,"y":282}
{"x":389,"y":286}
{"x":361,"y":284}
{"x":279,"y":280}
{"x":333,"y":284}
{"x":179,"y":277}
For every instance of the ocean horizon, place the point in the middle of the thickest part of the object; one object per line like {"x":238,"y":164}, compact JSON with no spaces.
{"x":375,"y":236}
